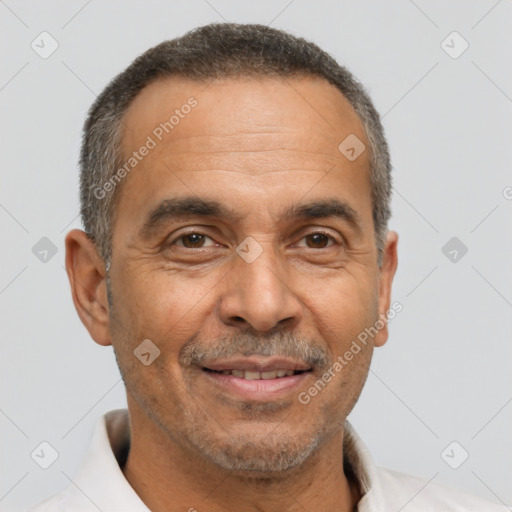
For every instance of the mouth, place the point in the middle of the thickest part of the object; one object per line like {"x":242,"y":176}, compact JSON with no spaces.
{"x":256,"y":375}
{"x":257,"y":378}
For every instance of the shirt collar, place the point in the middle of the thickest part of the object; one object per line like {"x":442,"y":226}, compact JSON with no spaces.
{"x":357,"y":456}
{"x":101,"y":482}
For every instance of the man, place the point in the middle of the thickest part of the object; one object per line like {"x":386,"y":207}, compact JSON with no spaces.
{"x":235,"y":188}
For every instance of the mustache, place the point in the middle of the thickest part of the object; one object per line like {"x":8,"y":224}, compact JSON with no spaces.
{"x":196,"y":352}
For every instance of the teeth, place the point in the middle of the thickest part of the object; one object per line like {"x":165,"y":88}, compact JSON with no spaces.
{"x":249,"y":375}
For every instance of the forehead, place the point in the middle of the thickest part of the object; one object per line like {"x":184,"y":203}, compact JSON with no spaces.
{"x":247,"y":113}
{"x":263,"y":136}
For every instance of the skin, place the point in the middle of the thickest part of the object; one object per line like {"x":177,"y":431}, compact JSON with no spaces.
{"x":256,"y":147}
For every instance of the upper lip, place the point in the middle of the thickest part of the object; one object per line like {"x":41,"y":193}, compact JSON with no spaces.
{"x":256,"y":364}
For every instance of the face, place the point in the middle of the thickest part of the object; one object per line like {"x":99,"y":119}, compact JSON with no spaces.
{"x":244,"y":249}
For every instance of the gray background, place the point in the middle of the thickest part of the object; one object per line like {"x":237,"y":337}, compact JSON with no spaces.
{"x":444,"y":375}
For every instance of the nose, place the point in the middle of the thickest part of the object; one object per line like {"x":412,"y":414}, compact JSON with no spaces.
{"x":257,"y":295}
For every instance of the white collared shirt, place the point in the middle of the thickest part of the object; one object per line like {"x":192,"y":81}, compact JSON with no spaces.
{"x":101,"y":485}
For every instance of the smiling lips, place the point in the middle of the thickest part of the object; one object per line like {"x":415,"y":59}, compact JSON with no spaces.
{"x":257,"y":377}
{"x":251,"y":375}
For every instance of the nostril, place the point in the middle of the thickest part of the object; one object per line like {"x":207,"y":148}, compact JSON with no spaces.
{"x":238,"y":319}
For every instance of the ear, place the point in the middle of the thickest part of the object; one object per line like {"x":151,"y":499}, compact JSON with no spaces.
{"x":86,"y":273}
{"x":386,"y":275}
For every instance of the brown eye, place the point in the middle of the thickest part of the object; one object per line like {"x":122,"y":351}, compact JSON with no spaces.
{"x":192,"y":240}
{"x":317,"y":241}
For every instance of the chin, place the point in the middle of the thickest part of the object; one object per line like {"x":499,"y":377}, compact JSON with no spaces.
{"x":271,"y":457}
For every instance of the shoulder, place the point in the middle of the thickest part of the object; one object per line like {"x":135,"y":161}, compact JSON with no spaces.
{"x":420,"y":494}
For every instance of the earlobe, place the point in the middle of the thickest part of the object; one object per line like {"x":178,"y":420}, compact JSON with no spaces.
{"x":386,"y":275}
{"x":86,"y":274}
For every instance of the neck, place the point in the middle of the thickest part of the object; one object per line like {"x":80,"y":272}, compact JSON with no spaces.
{"x":167,"y":476}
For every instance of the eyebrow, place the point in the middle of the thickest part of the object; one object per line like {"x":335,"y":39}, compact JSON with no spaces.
{"x":325,"y":208}
{"x":180,"y":208}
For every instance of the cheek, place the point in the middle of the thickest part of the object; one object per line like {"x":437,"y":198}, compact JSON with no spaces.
{"x":162,"y":306}
{"x":342,"y":308}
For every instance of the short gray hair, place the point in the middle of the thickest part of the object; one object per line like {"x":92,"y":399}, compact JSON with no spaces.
{"x":218,"y":50}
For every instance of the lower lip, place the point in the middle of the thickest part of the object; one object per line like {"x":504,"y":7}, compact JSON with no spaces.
{"x":261,"y":389}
